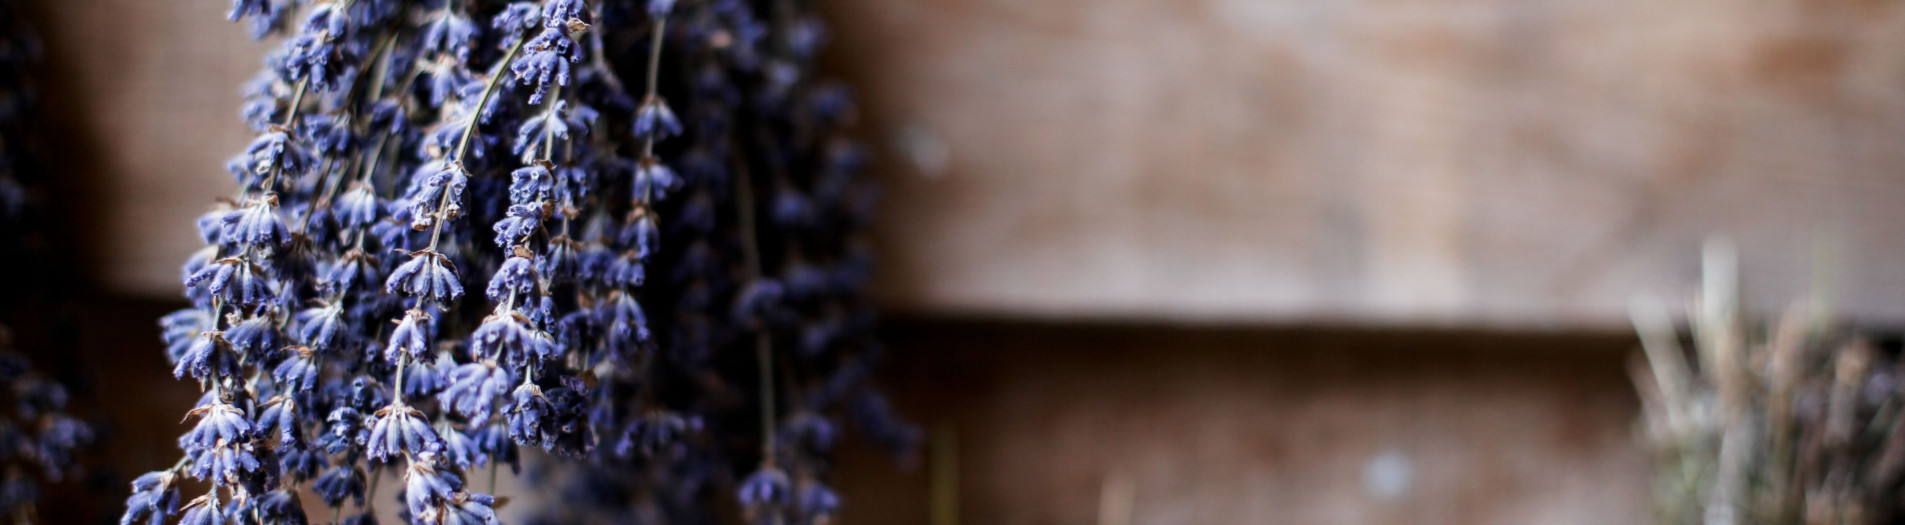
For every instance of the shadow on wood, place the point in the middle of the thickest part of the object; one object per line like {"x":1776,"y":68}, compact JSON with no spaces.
{"x":1262,"y":426}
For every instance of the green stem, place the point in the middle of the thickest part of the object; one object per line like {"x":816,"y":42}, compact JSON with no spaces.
{"x":476,"y":114}
{"x":763,"y":345}
{"x":549,"y":131}
{"x":324,"y":199}
{"x":290,"y":118}
{"x":462,"y":143}
{"x":654,"y":76}
{"x":297,"y":104}
{"x":401,"y":360}
{"x":370,"y":496}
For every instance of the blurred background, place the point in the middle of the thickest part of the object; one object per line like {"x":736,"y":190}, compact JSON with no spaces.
{"x":1199,"y":261}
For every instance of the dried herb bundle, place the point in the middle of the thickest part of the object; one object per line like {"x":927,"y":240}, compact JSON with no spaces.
{"x":656,"y":201}
{"x":1793,"y":421}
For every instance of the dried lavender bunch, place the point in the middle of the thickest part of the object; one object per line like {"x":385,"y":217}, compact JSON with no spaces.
{"x":330,"y":328}
{"x":327,"y":305}
{"x":759,"y":143}
{"x":38,"y":439}
{"x":1792,"y":421}
{"x":759,"y":313}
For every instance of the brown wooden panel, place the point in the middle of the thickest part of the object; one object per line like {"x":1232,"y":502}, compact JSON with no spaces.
{"x":1501,"y":162}
{"x":141,"y":109}
{"x":1244,"y":426}
{"x":1451,"y":161}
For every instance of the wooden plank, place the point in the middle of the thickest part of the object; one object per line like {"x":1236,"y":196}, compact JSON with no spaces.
{"x":1250,"y":426}
{"x":1504,"y":163}
{"x":1427,"y":162}
{"x":141,"y":110}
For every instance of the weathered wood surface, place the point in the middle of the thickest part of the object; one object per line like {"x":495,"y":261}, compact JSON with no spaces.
{"x":1454,"y":161}
{"x":1245,"y":426}
{"x":1423,"y":162}
{"x":141,"y":109}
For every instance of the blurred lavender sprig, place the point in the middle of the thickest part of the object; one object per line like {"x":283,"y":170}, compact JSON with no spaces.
{"x":763,"y":271}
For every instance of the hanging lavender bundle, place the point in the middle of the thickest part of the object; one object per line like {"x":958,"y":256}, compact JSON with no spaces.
{"x":410,"y":151}
{"x":38,"y":440}
{"x":763,"y":333}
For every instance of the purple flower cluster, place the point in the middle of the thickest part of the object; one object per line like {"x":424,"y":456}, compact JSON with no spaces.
{"x":412,"y":153}
{"x":757,"y":279}
{"x":38,"y":439}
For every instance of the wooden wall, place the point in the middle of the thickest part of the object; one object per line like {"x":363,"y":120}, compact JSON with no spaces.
{"x":1451,"y":162}
{"x":141,"y":102}
{"x":1454,"y":162}
{"x":1289,"y":426}
{"x":1369,"y":163}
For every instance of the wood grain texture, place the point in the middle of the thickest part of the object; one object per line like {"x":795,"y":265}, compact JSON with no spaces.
{"x":1492,"y":162}
{"x":1505,"y":163}
{"x":1287,"y":427}
{"x":142,"y":103}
